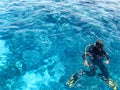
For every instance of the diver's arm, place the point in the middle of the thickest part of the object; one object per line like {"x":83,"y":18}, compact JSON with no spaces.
{"x":107,"y":58}
{"x":86,"y":52}
{"x":84,"y":56}
{"x":85,"y":61}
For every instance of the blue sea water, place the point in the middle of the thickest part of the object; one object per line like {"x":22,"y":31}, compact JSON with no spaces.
{"x":42,"y":41}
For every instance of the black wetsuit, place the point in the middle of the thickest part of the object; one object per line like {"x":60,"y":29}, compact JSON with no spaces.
{"x":96,"y":59}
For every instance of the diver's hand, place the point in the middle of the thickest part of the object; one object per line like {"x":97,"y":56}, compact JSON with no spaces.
{"x":107,"y":62}
{"x":86,"y":63}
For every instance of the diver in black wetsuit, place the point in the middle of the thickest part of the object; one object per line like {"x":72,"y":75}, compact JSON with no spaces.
{"x":96,"y":54}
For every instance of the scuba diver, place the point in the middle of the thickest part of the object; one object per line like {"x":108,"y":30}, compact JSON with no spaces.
{"x":96,"y":54}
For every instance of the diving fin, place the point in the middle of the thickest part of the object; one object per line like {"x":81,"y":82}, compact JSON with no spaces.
{"x":73,"y":79}
{"x":110,"y":83}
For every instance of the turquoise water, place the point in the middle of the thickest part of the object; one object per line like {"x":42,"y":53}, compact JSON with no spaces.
{"x":42,"y":41}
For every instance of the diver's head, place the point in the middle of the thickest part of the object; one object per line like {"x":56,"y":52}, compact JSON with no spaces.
{"x":99,"y":44}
